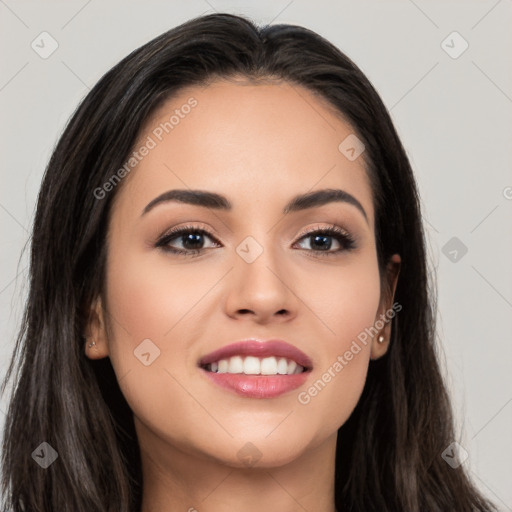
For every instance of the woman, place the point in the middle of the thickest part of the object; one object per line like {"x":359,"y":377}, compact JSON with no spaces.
{"x":229,"y":304}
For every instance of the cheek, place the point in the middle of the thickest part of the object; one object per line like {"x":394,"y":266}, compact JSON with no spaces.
{"x":345,"y":300}
{"x":159,"y":306}
{"x":144,"y":306}
{"x":149,"y":296}
{"x":151,"y":304}
{"x":346,"y":304}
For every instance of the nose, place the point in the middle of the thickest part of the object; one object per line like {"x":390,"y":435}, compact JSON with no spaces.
{"x":262,"y":290}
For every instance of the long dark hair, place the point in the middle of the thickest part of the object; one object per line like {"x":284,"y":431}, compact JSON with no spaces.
{"x":388,"y":452}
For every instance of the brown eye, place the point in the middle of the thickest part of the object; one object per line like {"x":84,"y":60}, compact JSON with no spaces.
{"x":320,"y":240}
{"x":191,"y":239}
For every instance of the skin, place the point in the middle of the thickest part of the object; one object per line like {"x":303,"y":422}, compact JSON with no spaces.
{"x":258,"y":145}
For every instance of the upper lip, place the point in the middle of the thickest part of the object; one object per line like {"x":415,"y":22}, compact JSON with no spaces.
{"x":258,"y":348}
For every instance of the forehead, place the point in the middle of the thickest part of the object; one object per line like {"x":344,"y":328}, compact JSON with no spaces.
{"x":264,"y":141}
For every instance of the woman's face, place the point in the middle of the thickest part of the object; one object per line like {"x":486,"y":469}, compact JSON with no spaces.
{"x":256,"y":274}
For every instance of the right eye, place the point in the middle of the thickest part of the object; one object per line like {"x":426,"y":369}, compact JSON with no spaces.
{"x":192,"y":239}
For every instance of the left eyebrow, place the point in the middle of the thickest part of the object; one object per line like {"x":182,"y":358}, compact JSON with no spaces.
{"x":322,"y":197}
{"x":218,"y":202}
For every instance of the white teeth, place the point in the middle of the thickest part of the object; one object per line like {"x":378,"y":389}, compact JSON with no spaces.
{"x":269,"y":366}
{"x":236,"y":365}
{"x":223,"y":366}
{"x":251,"y":365}
{"x":282,"y":366}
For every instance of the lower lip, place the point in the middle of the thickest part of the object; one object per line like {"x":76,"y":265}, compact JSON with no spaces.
{"x":257,"y":386}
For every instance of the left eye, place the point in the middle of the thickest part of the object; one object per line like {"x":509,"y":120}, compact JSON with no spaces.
{"x":321,"y":240}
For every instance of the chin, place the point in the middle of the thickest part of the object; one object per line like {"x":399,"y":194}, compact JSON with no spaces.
{"x":261,"y":450}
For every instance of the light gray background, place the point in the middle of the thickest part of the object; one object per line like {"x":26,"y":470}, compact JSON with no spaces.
{"x":453,"y":115}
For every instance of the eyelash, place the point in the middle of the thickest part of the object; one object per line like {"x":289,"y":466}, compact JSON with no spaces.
{"x":345,"y":240}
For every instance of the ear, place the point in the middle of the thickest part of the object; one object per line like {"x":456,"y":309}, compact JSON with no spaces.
{"x":384,"y":316}
{"x":95,"y":331}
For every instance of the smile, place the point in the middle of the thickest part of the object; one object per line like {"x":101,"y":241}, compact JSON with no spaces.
{"x":257,"y":369}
